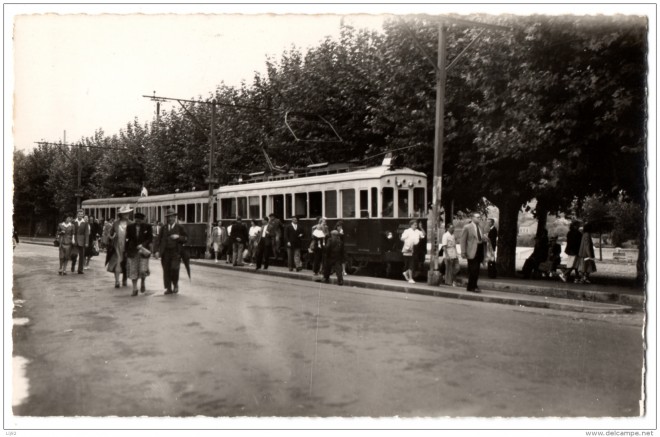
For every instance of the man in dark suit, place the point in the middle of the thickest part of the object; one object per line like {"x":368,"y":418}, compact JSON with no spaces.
{"x":334,"y":258}
{"x":293,"y":236}
{"x":172,"y":237}
{"x":239,"y":238}
{"x":81,"y":232}
{"x":138,"y":245}
{"x":472,"y":248}
{"x":265,"y":244}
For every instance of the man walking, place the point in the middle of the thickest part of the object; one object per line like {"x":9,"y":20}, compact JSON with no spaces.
{"x":82,"y":231}
{"x":472,"y":248}
{"x":170,"y":245}
{"x":293,"y":235}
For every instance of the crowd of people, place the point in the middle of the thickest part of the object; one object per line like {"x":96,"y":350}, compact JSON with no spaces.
{"x":263,"y":240}
{"x":129,"y":245}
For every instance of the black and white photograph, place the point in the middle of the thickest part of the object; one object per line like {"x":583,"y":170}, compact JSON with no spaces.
{"x":330,"y":217}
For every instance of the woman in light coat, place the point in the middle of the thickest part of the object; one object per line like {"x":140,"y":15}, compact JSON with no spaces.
{"x":116,"y":259}
{"x":450,"y":256}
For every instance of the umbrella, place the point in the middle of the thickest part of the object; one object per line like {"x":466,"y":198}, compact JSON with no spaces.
{"x":185,"y":256}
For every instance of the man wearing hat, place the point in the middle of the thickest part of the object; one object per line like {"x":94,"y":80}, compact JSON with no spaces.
{"x":138,"y":245}
{"x":172,"y":238}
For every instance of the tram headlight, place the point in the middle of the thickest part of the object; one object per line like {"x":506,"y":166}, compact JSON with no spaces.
{"x":389,"y":235}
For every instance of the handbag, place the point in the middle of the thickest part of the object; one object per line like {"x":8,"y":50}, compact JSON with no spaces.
{"x":442,"y":251}
{"x":56,"y":243}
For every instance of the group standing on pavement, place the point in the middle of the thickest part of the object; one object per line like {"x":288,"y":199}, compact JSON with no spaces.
{"x":130,"y":244}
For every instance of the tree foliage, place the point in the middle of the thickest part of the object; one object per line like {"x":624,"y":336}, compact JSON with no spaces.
{"x":550,"y":108}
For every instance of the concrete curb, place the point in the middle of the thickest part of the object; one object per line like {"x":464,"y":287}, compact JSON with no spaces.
{"x":534,"y":301}
{"x":563,"y":299}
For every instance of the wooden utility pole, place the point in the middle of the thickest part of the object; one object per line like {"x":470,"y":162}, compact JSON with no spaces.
{"x":435,"y":222}
{"x":212,"y":144}
{"x":209,"y":229}
{"x":78,"y":162}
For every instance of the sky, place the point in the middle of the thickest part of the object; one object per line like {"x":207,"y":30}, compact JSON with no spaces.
{"x":80,"y":68}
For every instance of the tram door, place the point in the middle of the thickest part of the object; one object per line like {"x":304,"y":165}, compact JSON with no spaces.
{"x":365,"y":228}
{"x":277,"y":206}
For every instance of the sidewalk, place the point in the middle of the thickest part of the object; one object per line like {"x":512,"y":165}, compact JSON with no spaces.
{"x":551,"y":294}
{"x":535,"y":294}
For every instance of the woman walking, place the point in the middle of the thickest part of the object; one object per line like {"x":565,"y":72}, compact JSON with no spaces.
{"x":65,"y":232}
{"x":116,"y":259}
{"x":586,"y":265}
{"x":138,"y":250}
{"x":450,"y":256}
{"x":573,"y":242}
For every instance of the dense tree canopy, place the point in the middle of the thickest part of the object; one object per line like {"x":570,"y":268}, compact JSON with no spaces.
{"x":549,"y":108}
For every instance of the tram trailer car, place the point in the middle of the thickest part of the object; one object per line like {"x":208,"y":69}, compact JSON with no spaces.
{"x":375,"y":204}
{"x":191,"y":207}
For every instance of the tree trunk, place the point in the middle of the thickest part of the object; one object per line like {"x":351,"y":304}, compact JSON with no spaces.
{"x":600,"y":246}
{"x":507,"y":237}
{"x":541,"y":217}
{"x":641,"y":255}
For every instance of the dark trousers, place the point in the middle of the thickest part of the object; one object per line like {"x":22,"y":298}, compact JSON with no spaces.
{"x":328,"y":267}
{"x":81,"y":258}
{"x":171,"y":263}
{"x":264,"y":250}
{"x":317,"y":260}
{"x":473,"y":268}
{"x":473,"y":274}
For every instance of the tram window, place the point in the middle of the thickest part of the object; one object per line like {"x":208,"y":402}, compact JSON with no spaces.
{"x":288,"y":205}
{"x":388,"y":202}
{"x":404,"y":210}
{"x":278,"y":205}
{"x":348,"y":203}
{"x":374,"y":202}
{"x":419,"y":203}
{"x":301,"y":204}
{"x":228,"y":209}
{"x":315,"y":204}
{"x":242,"y":206}
{"x":364,"y":203}
{"x":264,"y":204}
{"x":215,"y":211}
{"x":205,"y":213}
{"x":331,"y":204}
{"x":254,"y":207}
{"x":190,"y":213}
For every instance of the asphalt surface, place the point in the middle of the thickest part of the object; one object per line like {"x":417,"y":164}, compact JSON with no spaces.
{"x":233,"y":343}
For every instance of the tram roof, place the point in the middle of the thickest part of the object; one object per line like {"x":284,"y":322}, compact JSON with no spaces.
{"x":355,"y":175}
{"x":133,"y":201}
{"x":110,"y":201}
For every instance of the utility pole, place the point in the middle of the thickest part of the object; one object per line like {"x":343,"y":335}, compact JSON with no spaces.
{"x":434,"y":225}
{"x":78,"y":162}
{"x":434,"y":222}
{"x":211,"y":180}
{"x":209,"y":239}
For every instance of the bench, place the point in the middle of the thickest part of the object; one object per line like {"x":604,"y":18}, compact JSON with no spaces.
{"x":619,"y":256}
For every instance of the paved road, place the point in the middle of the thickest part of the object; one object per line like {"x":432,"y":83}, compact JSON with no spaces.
{"x":237,"y":344}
